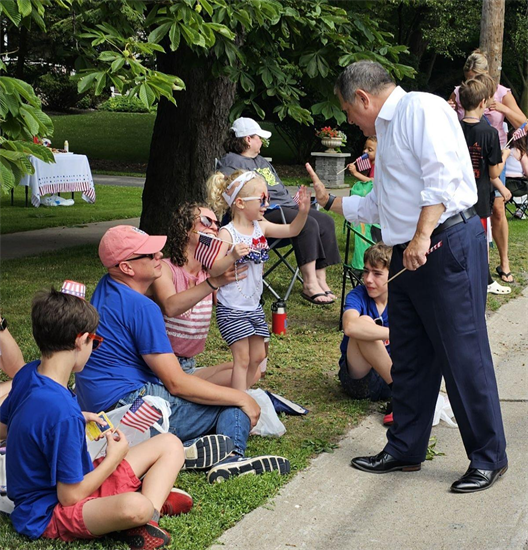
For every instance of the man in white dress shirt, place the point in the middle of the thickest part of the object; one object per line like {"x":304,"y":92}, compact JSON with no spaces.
{"x":423,"y":195}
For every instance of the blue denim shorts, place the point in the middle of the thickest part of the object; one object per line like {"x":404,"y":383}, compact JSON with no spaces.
{"x":188,"y":364}
{"x":372,"y":386}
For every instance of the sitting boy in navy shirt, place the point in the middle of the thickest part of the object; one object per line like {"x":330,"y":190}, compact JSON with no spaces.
{"x":365,"y":364}
{"x":57,"y":491}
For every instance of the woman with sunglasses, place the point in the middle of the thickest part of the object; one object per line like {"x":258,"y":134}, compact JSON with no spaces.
{"x":185,"y":292}
{"x":316,"y":245}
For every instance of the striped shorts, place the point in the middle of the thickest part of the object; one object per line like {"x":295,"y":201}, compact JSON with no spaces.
{"x":235,"y":324}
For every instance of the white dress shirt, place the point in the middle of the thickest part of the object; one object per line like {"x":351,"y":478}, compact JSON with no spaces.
{"x":422,"y":159}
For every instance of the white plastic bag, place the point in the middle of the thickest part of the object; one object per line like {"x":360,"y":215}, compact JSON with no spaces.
{"x":269,"y":423}
{"x":444,"y":412}
{"x":97,"y":449}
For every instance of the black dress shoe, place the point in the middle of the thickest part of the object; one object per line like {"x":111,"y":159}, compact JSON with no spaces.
{"x":383,"y":463}
{"x":477,"y":480}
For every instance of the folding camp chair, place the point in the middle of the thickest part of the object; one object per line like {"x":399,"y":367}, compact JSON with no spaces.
{"x":282,"y":259}
{"x":517,"y":206}
{"x":277,"y":246}
{"x":348,"y":271}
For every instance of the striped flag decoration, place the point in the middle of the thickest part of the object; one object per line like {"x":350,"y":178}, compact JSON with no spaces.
{"x":207,"y":250}
{"x":74,"y":288}
{"x":296,"y":196}
{"x":520,"y":132}
{"x":434,"y":247}
{"x":141,"y":416}
{"x":363,"y":163}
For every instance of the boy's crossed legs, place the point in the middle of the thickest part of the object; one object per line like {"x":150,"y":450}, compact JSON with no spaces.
{"x":117,"y":506}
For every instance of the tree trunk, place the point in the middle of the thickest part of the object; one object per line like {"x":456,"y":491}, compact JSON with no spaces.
{"x":491,"y":35}
{"x":186,"y":139}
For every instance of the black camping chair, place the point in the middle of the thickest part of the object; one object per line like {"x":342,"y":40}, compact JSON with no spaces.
{"x":348,"y":271}
{"x":282,"y":250}
{"x":277,"y":246}
{"x":519,"y":190}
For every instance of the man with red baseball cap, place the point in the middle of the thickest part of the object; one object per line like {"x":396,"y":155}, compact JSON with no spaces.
{"x":137,"y":360}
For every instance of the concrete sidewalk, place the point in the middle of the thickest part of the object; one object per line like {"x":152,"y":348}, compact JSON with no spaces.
{"x":333,"y":506}
{"x":30,"y":243}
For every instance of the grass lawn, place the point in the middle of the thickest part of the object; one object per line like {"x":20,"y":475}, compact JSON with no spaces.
{"x":302,"y":366}
{"x":125,"y":137}
{"x":113,"y":203}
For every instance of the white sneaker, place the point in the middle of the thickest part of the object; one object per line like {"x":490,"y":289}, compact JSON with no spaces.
{"x":495,"y":288}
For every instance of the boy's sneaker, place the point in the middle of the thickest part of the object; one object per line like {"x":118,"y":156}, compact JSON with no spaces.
{"x":207,"y":451}
{"x":146,"y":537}
{"x":178,"y":502}
{"x":237,"y":466}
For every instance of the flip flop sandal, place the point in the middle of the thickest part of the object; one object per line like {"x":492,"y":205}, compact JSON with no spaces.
{"x":312,"y":298}
{"x":503,"y":274}
{"x":495,"y":288}
{"x":330,"y":293}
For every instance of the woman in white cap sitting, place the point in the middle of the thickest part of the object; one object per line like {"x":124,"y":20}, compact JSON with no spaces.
{"x":316,"y":246}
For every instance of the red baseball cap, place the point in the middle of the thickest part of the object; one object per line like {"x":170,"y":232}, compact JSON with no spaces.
{"x":122,"y":241}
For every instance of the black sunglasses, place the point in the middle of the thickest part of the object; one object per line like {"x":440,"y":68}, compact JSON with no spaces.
{"x":379,"y":321}
{"x":151,"y":256}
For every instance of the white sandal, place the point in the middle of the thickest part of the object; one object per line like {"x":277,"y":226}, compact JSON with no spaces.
{"x":495,"y":288}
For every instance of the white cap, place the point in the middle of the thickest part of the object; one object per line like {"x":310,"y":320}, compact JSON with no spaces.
{"x":248,"y":127}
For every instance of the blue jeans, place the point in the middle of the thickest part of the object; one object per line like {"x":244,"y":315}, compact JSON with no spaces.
{"x":190,"y":420}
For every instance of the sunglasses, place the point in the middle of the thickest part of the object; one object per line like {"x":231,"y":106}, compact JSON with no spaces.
{"x":379,"y":321}
{"x":151,"y":256}
{"x":97,"y":340}
{"x":206,"y":221}
{"x":264,"y":199}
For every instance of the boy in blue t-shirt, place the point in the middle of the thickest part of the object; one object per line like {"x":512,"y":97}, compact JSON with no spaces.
{"x":57,"y":491}
{"x":365,"y":364}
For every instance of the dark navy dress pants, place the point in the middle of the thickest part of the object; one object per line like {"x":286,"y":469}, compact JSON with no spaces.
{"x":438,"y":328}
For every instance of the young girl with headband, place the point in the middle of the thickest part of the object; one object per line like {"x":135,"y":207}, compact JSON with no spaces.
{"x":239,"y":314}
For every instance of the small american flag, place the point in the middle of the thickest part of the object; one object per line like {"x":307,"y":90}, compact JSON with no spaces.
{"x":141,"y":416}
{"x":296,"y":196}
{"x":363,"y":163}
{"x":520,"y":132}
{"x":207,"y":250}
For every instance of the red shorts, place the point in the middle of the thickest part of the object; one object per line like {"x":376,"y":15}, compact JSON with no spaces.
{"x":67,"y":522}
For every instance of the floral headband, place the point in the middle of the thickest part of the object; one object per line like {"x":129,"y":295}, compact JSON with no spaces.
{"x":239,"y":182}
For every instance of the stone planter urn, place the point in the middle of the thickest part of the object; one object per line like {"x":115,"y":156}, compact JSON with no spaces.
{"x":331,"y":144}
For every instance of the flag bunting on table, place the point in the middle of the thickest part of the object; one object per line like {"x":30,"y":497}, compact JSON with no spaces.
{"x":520,"y":132}
{"x":141,"y":416}
{"x":363,"y":163}
{"x":207,"y":250}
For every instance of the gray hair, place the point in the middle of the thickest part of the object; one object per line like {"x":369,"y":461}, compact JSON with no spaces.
{"x":368,"y":76}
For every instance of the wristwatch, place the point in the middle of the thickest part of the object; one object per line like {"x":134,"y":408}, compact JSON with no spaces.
{"x":329,"y":202}
{"x":3,"y":324}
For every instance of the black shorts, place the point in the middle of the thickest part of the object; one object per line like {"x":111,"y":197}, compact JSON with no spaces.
{"x":372,"y":386}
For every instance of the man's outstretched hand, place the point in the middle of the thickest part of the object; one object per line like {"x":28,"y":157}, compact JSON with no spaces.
{"x":321,"y":194}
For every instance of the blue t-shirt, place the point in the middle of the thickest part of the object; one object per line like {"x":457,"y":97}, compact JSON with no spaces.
{"x":46,"y":443}
{"x":132,"y":325}
{"x":359,"y":300}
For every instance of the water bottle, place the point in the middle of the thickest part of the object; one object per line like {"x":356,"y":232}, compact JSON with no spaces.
{"x":66,"y":146}
{"x":279,"y":319}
